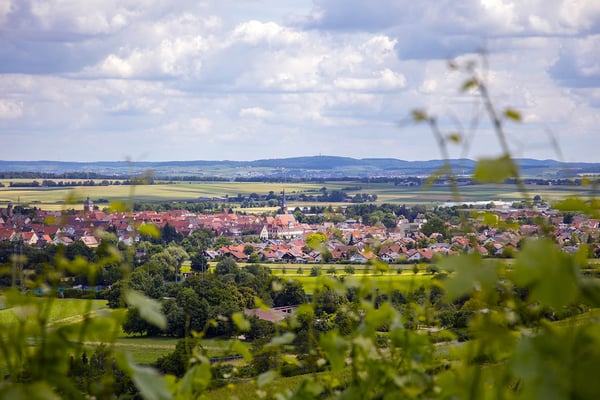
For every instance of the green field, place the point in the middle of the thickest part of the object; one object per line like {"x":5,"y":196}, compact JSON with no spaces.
{"x":383,"y":281}
{"x":63,"y":311}
{"x":64,"y":198}
{"x":147,"y":350}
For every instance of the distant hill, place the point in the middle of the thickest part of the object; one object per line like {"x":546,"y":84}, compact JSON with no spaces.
{"x":295,"y":167}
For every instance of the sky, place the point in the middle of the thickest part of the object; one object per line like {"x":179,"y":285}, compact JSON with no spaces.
{"x":158,"y":80}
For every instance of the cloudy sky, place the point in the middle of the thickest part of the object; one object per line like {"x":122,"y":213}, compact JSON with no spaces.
{"x":155,"y":80}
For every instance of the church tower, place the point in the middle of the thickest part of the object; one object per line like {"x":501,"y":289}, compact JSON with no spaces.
{"x":88,"y":205}
{"x":284,"y":209}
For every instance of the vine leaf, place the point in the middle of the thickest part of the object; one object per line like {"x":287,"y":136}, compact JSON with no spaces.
{"x":548,"y":272}
{"x":243,"y":349}
{"x":495,"y":170}
{"x":512,"y":114}
{"x":335,"y":348}
{"x":469,"y":274}
{"x":149,"y":308}
{"x":150,"y":383}
{"x":240,"y":322}
{"x":149,"y":230}
{"x":419,"y":115}
{"x":265,"y":378}
{"x":578,"y":205}
{"x":470,"y":84}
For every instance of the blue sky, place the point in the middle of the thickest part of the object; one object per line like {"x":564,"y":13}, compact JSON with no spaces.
{"x":155,"y":80}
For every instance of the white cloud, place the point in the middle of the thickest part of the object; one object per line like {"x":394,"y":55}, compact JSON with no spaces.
{"x":255,"y":32}
{"x":581,"y":15}
{"x":379,"y":49}
{"x":6,"y":7}
{"x":255,"y":112}
{"x":191,"y":129}
{"x":260,"y":76}
{"x":383,"y":80}
{"x":10,"y":109}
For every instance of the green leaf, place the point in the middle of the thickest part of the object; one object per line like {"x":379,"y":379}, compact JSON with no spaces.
{"x":149,"y":230}
{"x":419,"y":115}
{"x":150,"y":309}
{"x":117,"y":206}
{"x":490,"y":219}
{"x":291,"y":359}
{"x":240,"y":322}
{"x":469,"y":273}
{"x":576,"y":204}
{"x":196,"y":379}
{"x":33,"y":391}
{"x":265,"y":378}
{"x":378,"y":317}
{"x":455,"y":138}
{"x":470,"y":84}
{"x":286,"y":338}
{"x":276,"y":286}
{"x":243,"y":349}
{"x":438,"y":173}
{"x":510,"y":113}
{"x":549,"y":273}
{"x":147,"y":380}
{"x":306,"y":310}
{"x":380,"y":266}
{"x":495,"y":170}
{"x":335,"y":349}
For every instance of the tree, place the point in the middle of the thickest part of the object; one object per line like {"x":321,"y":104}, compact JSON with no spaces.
{"x":389,"y":220}
{"x":176,"y":318}
{"x":327,"y":301}
{"x":198,"y":241}
{"x":316,"y":240}
{"x":291,"y":294}
{"x":169,"y":234}
{"x":199,"y":262}
{"x":196,"y":309}
{"x":134,"y":323}
{"x":177,"y":362}
{"x":226,"y":266}
{"x":221,"y":242}
{"x":434,"y":225}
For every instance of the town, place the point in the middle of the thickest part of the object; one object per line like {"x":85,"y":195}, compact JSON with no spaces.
{"x":496,"y":230}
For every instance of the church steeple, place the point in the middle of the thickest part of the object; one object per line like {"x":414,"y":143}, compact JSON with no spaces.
{"x":88,"y":205}
{"x":284,"y":209}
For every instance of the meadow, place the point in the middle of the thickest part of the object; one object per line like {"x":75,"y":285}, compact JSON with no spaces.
{"x":144,"y":350}
{"x":62,"y":311}
{"x":382,"y":282}
{"x":65,"y":198}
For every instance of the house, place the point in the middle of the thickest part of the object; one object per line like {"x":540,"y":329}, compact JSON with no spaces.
{"x":62,"y":239}
{"x":29,"y":238}
{"x":416,"y":255}
{"x":273,"y":314}
{"x":89,"y":241}
{"x":358,"y":258}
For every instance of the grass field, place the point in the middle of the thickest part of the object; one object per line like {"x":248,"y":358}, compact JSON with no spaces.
{"x":147,"y":350}
{"x":63,"y":311}
{"x":64,"y":198}
{"x":69,"y":312}
{"x":385,"y":282}
{"x":388,"y":281}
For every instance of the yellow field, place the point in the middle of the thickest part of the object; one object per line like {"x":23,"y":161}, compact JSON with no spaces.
{"x":66,"y":198}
